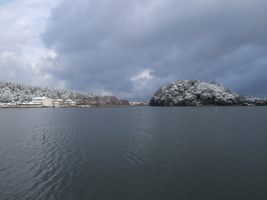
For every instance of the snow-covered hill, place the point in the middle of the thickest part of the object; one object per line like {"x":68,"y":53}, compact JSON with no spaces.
{"x":197,"y":93}
{"x":15,"y":92}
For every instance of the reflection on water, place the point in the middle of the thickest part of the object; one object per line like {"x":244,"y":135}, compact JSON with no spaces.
{"x":134,"y":153}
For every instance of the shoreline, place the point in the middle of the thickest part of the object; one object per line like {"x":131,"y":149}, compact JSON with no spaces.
{"x":104,"y":106}
{"x":77,"y":106}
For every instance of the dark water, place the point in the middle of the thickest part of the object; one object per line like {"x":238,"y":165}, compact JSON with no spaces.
{"x":134,"y":153}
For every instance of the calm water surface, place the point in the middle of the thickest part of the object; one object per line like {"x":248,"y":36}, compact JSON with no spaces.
{"x":133,"y":153}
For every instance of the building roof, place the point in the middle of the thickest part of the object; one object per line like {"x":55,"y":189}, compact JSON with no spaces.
{"x":39,"y":98}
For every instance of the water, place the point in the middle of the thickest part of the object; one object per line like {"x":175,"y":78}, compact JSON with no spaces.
{"x":133,"y":153}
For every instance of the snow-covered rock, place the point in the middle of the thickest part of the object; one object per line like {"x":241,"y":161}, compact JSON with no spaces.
{"x":197,"y":93}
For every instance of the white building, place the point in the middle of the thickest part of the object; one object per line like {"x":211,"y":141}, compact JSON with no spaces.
{"x":44,"y":101}
{"x":55,"y":103}
{"x":60,"y":101}
{"x":69,"y":102}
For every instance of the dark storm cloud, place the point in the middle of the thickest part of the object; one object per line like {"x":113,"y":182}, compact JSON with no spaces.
{"x":107,"y":44}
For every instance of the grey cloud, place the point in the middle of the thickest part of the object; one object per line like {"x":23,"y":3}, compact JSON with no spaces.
{"x":103,"y":44}
{"x":13,"y":70}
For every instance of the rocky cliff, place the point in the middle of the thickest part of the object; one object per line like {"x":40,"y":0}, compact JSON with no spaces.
{"x":198,"y":93}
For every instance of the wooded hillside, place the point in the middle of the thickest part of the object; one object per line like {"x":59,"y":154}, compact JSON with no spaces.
{"x":16,"y":92}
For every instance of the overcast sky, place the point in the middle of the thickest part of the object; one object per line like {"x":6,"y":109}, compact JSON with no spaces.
{"x":131,"y":48}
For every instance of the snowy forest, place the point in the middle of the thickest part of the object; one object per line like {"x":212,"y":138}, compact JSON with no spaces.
{"x":16,"y":92}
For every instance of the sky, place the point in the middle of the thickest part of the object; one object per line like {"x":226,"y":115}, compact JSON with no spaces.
{"x":131,"y":48}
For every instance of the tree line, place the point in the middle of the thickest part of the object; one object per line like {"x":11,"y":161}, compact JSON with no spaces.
{"x":16,"y":92}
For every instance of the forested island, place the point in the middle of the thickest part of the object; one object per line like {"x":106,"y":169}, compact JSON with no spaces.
{"x":198,"y":93}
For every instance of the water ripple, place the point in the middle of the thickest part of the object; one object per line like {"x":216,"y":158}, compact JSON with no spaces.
{"x":133,"y":153}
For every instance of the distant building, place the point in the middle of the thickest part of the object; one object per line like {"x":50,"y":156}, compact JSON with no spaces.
{"x":55,"y":103}
{"x":69,"y":102}
{"x":60,"y":101}
{"x":44,"y":101}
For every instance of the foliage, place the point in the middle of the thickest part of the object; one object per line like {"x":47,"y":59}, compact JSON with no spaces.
{"x":16,"y":92}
